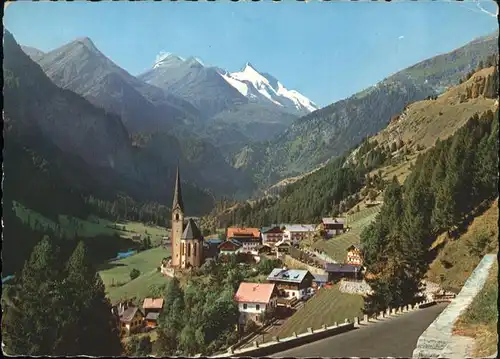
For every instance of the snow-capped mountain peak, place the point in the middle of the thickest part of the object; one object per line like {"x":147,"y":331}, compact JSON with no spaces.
{"x":265,"y":88}
{"x":165,"y":59}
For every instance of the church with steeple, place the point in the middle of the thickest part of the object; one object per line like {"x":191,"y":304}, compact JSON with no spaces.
{"x":186,"y":238}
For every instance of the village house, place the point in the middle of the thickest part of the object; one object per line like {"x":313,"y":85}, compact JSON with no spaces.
{"x":295,"y":233}
{"x":337,"y":271}
{"x":282,"y":246}
{"x":249,"y":238}
{"x":228,"y":247}
{"x":129,"y":316}
{"x":291,"y":283}
{"x":264,"y":249}
{"x":254,"y":299}
{"x":332,"y":226}
{"x":355,"y":254}
{"x":152,"y":308}
{"x":271,"y":234}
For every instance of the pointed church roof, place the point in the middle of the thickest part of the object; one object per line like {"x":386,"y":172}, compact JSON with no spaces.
{"x":191,"y":231}
{"x":177,"y":192}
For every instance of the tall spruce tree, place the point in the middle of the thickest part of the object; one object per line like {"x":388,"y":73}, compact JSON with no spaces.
{"x":31,"y":325}
{"x":90,"y":326}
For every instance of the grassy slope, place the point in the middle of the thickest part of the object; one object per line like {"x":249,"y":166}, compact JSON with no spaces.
{"x":92,"y":226}
{"x":328,"y":306}
{"x":336,"y":247}
{"x":119,"y":272}
{"x":425,"y":121}
{"x":457,"y":253}
{"x":480,"y":319}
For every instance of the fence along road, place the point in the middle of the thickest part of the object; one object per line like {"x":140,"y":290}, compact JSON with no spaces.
{"x":394,"y":337}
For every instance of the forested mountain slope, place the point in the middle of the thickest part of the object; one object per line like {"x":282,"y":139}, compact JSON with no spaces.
{"x":59,"y":149}
{"x":363,"y":172}
{"x":332,"y":130}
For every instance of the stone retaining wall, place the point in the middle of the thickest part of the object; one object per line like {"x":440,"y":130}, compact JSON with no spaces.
{"x":362,"y":287}
{"x":436,"y":341}
{"x":311,"y":335}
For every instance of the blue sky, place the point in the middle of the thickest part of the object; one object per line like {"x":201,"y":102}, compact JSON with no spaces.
{"x":326,"y":51}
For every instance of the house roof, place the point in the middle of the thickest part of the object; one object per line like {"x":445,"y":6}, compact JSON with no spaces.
{"x":214,"y":241}
{"x":283,"y":243}
{"x":254,"y":292}
{"x":355,"y":246}
{"x":243,"y":232}
{"x":342,"y":268}
{"x":129,"y":313}
{"x":151,"y":303}
{"x":152,"y":316}
{"x":275,"y":229}
{"x":331,"y":220}
{"x":287,"y":275}
{"x":233,"y":241}
{"x":301,"y":228}
{"x":323,"y":278}
{"x":191,"y":231}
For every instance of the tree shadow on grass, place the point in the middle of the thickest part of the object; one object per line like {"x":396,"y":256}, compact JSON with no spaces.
{"x":110,"y":265}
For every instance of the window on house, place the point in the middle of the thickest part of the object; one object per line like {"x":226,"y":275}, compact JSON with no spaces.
{"x":245,"y":306}
{"x":177,"y":216}
{"x":257,"y":307}
{"x":182,"y":249}
{"x":194,"y":249}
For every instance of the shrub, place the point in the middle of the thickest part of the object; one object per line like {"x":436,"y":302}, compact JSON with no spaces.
{"x":250,"y":326}
{"x":480,"y":245}
{"x":134,"y":273}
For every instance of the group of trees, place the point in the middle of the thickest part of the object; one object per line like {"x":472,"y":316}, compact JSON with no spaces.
{"x":58,"y":307}
{"x":447,"y":183}
{"x":491,"y":60}
{"x":126,"y":208}
{"x":306,"y":200}
{"x":202,"y":317}
{"x":19,"y":240}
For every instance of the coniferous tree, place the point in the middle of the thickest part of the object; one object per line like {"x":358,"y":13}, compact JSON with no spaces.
{"x":31,"y":325}
{"x":90,"y":328}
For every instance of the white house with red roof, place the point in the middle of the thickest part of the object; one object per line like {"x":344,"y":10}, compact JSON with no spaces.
{"x":254,"y":299}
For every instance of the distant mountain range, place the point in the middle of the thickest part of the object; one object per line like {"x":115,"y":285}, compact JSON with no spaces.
{"x":93,"y":150}
{"x":330,"y":131}
{"x":80,"y":67}
{"x":192,"y":80}
{"x":177,"y":94}
{"x":243,"y":128}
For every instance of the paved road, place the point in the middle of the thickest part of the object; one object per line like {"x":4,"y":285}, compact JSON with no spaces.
{"x":392,"y":337}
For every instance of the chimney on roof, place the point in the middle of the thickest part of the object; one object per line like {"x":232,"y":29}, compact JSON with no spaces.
{"x":285,"y":268}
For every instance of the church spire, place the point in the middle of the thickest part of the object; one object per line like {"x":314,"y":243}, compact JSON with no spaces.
{"x":177,"y":192}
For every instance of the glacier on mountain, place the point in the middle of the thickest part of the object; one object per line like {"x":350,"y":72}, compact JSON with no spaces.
{"x":265,"y":88}
{"x":258,"y":87}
